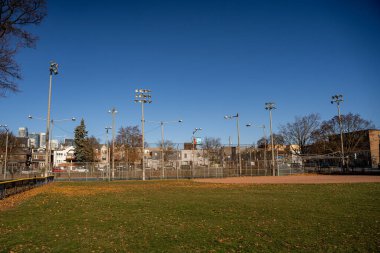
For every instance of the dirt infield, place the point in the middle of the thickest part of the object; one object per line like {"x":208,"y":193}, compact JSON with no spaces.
{"x":301,"y":179}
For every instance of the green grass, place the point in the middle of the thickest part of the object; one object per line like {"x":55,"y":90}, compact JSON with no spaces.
{"x":180,"y":216}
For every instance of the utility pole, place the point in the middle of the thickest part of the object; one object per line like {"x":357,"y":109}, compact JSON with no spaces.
{"x":108,"y":155}
{"x":162,"y":123}
{"x":6,"y":150}
{"x":338,"y":99}
{"x":194,"y":143}
{"x":238,"y":133}
{"x":270,"y":106}
{"x":53,"y":71}
{"x":113,"y":111}
{"x":265,"y":142}
{"x":143,"y":96}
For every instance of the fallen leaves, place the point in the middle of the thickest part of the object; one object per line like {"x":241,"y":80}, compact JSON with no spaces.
{"x":16,"y":199}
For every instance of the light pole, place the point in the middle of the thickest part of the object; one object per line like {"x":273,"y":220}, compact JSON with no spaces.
{"x":108,"y":155}
{"x":113,"y":111}
{"x":6,"y":150}
{"x":162,"y":141}
{"x":265,"y":142}
{"x":194,"y":142}
{"x":143,"y":96}
{"x":238,"y":133}
{"x":338,"y":99}
{"x":53,"y":69}
{"x":48,"y":144}
{"x":270,"y":106}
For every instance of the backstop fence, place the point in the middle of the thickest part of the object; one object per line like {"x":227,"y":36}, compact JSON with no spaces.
{"x":178,"y":161}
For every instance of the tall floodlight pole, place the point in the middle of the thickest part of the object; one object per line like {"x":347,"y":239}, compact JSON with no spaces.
{"x":108,"y":154}
{"x":338,"y":99}
{"x":270,"y":106}
{"x":53,"y":71}
{"x":194,"y":142}
{"x":6,"y":150}
{"x":265,"y":142}
{"x":113,"y":111}
{"x":238,"y":133}
{"x":162,"y":123}
{"x":143,"y":96}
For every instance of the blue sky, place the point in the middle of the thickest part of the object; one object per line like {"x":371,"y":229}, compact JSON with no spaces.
{"x":202,"y":60}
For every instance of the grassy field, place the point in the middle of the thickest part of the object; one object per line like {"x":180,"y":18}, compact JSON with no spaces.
{"x":181,"y":216}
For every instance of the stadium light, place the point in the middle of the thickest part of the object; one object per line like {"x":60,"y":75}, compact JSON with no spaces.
{"x":271,"y":106}
{"x":143,"y":96}
{"x":238,"y":133}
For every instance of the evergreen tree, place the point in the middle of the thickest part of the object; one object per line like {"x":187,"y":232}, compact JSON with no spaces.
{"x":80,"y":141}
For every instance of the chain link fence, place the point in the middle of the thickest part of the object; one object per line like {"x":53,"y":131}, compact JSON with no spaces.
{"x":179,"y":162}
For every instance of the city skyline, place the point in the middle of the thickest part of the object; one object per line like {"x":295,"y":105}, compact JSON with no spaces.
{"x":202,"y":60}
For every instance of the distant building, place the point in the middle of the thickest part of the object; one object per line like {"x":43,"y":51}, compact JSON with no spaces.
{"x":22,"y":142}
{"x":34,"y":140}
{"x":22,"y":132}
{"x":38,"y":159}
{"x":54,"y":144}
{"x":18,"y":159}
{"x":63,"y":156}
{"x":42,"y":140}
{"x":68,"y":142}
{"x":361,"y":149}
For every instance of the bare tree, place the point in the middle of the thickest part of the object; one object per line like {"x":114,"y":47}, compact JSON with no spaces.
{"x":14,"y":16}
{"x":129,"y":142}
{"x":168,"y":149}
{"x":213,"y":148}
{"x":352,"y":125}
{"x":300,"y":132}
{"x":278,"y":139}
{"x":92,"y":145}
{"x":12,"y":142}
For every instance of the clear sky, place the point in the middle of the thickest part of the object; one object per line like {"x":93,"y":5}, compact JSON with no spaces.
{"x":202,"y":59}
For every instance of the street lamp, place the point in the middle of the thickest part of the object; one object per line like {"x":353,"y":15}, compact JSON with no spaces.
{"x":108,"y":153}
{"x":338,"y":99}
{"x":48,"y":144}
{"x":194,"y":142}
{"x":270,"y":106}
{"x":265,"y":142}
{"x":143,"y":96}
{"x":6,"y":150}
{"x":113,"y":111}
{"x":238,"y":132}
{"x":53,"y":69}
{"x":162,"y":141}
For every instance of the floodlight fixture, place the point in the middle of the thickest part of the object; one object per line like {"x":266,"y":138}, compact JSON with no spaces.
{"x":270,"y":106}
{"x":196,"y":130}
{"x":53,"y":68}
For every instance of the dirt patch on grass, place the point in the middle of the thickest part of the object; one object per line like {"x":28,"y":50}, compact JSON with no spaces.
{"x":302,"y":179}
